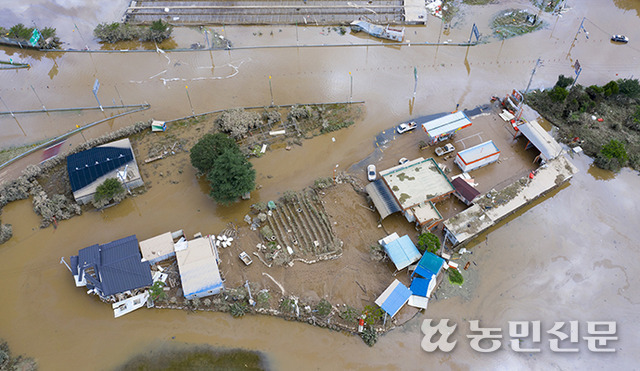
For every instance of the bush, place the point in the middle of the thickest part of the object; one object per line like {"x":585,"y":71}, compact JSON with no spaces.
{"x":110,"y":190}
{"x":238,"y":309}
{"x":558,"y":94}
{"x":323,"y":308}
{"x":287,"y":305}
{"x":157,"y":292}
{"x":615,"y":149}
{"x":563,"y":81}
{"x":6,"y":232}
{"x":455,"y":277}
{"x":237,"y":122}
{"x":429,"y":242}
{"x":372,"y":314}
{"x":158,"y":31}
{"x":611,"y":88}
{"x":369,"y":335}
{"x":629,"y":87}
{"x":349,"y":314}
{"x":204,"y":153}
{"x":114,"y":32}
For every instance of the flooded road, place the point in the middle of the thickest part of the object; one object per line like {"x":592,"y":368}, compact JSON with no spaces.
{"x":567,"y":258}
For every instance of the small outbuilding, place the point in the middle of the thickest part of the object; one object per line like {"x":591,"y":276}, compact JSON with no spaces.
{"x":88,"y":169}
{"x":159,"y":248}
{"x":400,"y":250}
{"x":393,"y":298}
{"x":198,"y":266}
{"x":464,"y":191}
{"x":477,"y":156}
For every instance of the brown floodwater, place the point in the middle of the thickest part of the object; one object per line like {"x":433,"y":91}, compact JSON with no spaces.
{"x":567,"y":258}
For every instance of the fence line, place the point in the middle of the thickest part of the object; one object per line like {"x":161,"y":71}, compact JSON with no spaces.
{"x":143,"y":107}
{"x":73,"y":109}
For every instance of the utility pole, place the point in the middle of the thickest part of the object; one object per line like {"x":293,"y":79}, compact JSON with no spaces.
{"x":351,"y":91}
{"x":189,"y":98}
{"x":531,"y":78}
{"x":271,"y":90}
{"x":34,"y":92}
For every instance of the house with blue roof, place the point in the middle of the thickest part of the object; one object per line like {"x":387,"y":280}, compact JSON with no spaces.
{"x":88,"y":169}
{"x":112,"y":268}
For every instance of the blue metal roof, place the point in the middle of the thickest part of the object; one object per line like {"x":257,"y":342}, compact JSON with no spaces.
{"x":402,"y":252}
{"x":87,"y":166}
{"x":117,"y":266}
{"x":393,"y":298}
{"x":428,"y":265}
{"x":420,"y":286}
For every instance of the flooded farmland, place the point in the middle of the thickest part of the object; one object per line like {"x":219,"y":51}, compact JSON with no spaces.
{"x":569,"y":257}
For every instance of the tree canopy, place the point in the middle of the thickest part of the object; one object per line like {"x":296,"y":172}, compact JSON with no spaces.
{"x":207,"y":150}
{"x":110,"y":190}
{"x":231,"y":176}
{"x":428,"y":241}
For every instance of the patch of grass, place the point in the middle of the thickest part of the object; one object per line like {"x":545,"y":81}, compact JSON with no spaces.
{"x":323,"y":308}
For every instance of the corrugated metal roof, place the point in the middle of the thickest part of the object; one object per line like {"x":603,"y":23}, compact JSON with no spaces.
{"x":543,"y":141}
{"x":382,"y":198}
{"x":116,"y":265}
{"x":87,"y":166}
{"x":199,"y":269}
{"x":402,"y":252}
{"x":430,"y":264}
{"x":478,"y":152}
{"x":393,"y":298}
{"x":446,"y":124}
{"x":465,"y":189}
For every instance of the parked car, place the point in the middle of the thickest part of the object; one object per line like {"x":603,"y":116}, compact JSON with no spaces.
{"x":371,"y":172}
{"x":403,"y":160}
{"x":406,"y":126}
{"x":447,"y":148}
{"x":620,"y":38}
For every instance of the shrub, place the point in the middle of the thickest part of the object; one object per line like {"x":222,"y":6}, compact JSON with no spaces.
{"x":611,"y":88}
{"x":372,"y":314}
{"x":429,"y":242}
{"x":298,"y":112}
{"x":287,"y":305}
{"x":455,"y":277}
{"x":558,"y":94}
{"x":114,"y":32}
{"x":237,"y":122}
{"x":262,"y":298}
{"x":157,"y":291}
{"x":349,"y":314}
{"x":629,"y":87}
{"x":6,"y":232}
{"x":267,"y":233}
{"x":158,"y":31}
{"x":615,"y":149}
{"x":369,"y":335}
{"x":563,"y":81}
{"x":110,"y":190}
{"x":238,"y":309}
{"x":323,"y":308}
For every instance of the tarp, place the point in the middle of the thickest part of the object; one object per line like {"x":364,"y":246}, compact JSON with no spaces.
{"x":393,"y":298}
{"x":402,"y":252}
{"x":429,"y":265}
{"x":543,"y":141}
{"x":382,"y":198}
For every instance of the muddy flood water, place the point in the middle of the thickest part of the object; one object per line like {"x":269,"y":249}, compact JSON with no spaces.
{"x":570,"y":256}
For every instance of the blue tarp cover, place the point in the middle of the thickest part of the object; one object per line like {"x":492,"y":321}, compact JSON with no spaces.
{"x":402,"y":252}
{"x":428,"y":265}
{"x":420,"y":286}
{"x":393,"y":298}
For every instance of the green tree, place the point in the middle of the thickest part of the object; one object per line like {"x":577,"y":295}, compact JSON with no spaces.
{"x":429,"y":242}
{"x":231,"y":176}
{"x":558,"y":94}
{"x":110,"y":190}
{"x":629,"y":87}
{"x":455,"y":277}
{"x":206,"y":151}
{"x":157,"y":291}
{"x":563,"y":81}
{"x":615,"y":149}
{"x":611,"y":88}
